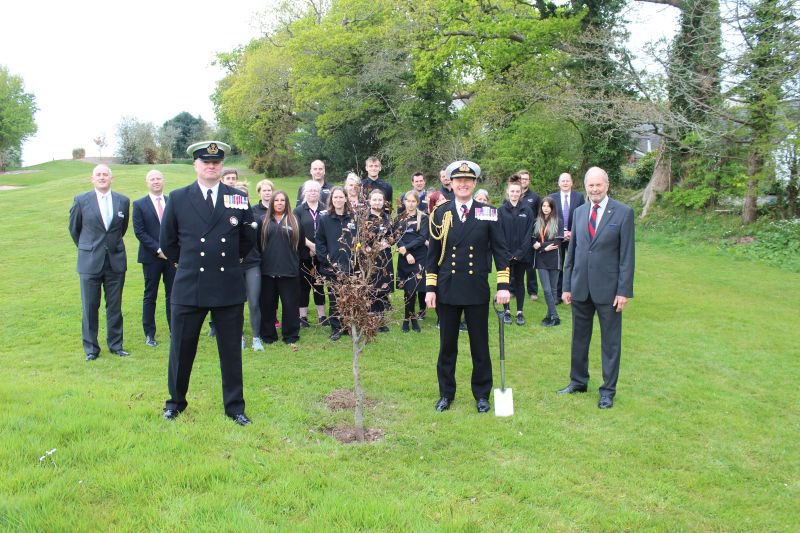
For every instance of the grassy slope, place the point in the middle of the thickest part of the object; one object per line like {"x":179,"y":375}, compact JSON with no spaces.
{"x":703,"y":436}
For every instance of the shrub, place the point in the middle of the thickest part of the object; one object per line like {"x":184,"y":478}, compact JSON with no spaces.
{"x":642,"y":172}
{"x":78,"y":153}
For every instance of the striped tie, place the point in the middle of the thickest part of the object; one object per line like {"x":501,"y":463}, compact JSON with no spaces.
{"x":593,"y":220}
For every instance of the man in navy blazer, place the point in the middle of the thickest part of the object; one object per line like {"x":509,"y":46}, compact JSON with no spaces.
{"x":207,"y":230}
{"x":147,"y":214}
{"x":567,"y":201}
{"x":98,"y":221}
{"x":598,"y":278}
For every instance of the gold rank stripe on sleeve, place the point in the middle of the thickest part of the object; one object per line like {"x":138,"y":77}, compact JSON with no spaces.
{"x":431,"y":279}
{"x":503,"y":276}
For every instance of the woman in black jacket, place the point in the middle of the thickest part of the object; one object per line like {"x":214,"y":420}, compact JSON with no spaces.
{"x":383,"y":274}
{"x":308,"y":214}
{"x":412,"y":228}
{"x":548,"y":233}
{"x":279,"y":239}
{"x":517,"y":220}
{"x":334,"y":243}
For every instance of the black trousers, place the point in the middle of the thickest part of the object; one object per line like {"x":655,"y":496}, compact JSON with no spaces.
{"x":533,"y":286}
{"x":111,"y":284}
{"x":287,"y":290}
{"x":186,"y":324}
{"x":333,"y":312}
{"x":518,"y":283}
{"x":477,"y":318}
{"x":154,"y":273}
{"x":610,"y":345}
{"x":563,"y":251}
{"x":309,"y":283}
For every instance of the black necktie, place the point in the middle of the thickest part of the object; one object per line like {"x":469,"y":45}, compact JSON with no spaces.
{"x":210,"y":201}
{"x":464,"y":212}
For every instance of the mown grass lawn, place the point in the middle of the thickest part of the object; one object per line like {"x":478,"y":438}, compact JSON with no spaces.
{"x":703,"y":436}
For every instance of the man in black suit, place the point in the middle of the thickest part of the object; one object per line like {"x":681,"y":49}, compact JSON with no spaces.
{"x":207,"y":230}
{"x":147,"y":214}
{"x":598,"y":278}
{"x":566,"y":201}
{"x":532,"y":200}
{"x":462,"y":234}
{"x":98,"y":221}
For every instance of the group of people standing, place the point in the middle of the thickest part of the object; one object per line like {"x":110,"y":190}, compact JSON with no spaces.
{"x":213,"y":252}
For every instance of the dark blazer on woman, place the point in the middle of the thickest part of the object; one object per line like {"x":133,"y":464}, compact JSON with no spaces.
{"x":517,"y":222}
{"x":548,"y":260}
{"x":334,"y":241}
{"x":413,"y":239}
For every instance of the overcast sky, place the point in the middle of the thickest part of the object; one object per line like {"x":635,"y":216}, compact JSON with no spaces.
{"x":90,"y":62}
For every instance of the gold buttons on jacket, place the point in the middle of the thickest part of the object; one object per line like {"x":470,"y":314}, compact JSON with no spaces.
{"x":454,"y":247}
{"x":470,"y":272}
{"x":223,"y":254}
{"x":452,"y":271}
{"x":202,"y":269}
{"x":222,"y":269}
{"x":470,"y":264}
{"x":222,"y":239}
{"x":471,"y":247}
{"x":453,"y":263}
{"x":202,"y":239}
{"x":202,"y":254}
{"x":454,"y":255}
{"x":470,"y":256}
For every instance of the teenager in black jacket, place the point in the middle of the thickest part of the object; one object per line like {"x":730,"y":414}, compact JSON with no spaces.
{"x":279,"y":239}
{"x":334,"y":243}
{"x":548,"y":233}
{"x":517,"y":220}
{"x":412,"y":248}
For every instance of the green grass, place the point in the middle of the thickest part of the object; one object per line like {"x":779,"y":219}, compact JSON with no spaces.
{"x":703,"y":435}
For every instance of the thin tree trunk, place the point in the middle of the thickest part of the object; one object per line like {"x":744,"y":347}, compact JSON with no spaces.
{"x":358,"y":348}
{"x":661,"y":179}
{"x":749,"y":211}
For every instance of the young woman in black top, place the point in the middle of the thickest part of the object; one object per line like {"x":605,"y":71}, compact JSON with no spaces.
{"x":307,"y":215}
{"x":517,"y":220}
{"x":383,"y":278}
{"x":412,"y":228}
{"x":334,"y":239}
{"x":548,"y":234}
{"x":279,"y":240}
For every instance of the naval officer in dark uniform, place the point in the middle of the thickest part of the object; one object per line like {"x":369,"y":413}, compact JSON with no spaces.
{"x":207,"y":230}
{"x":462,"y":234}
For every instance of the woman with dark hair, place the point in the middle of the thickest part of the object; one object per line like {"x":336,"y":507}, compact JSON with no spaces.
{"x":547,"y":235}
{"x":334,"y":242}
{"x":412,"y":228}
{"x":517,"y":220}
{"x":307,"y":215}
{"x":383,"y":276}
{"x":279,"y":241}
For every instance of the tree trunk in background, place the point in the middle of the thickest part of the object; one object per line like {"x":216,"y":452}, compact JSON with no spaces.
{"x":754,"y":165}
{"x":662,"y":174}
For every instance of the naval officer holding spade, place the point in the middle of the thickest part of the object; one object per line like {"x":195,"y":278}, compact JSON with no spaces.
{"x":463,"y":232}
{"x":207,"y":231}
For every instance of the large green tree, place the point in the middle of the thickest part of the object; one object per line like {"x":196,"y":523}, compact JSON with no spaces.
{"x":182,"y":130}
{"x":17,"y":109}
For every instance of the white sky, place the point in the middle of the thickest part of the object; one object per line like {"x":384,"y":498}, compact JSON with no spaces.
{"x":91,"y":62}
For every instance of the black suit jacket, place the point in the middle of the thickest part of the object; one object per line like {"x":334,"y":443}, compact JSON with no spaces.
{"x":207,"y":247}
{"x":147,"y":229}
{"x":575,"y":199}
{"x":461,"y":278}
{"x":89,"y":233}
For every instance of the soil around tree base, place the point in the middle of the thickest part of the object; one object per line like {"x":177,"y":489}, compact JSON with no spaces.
{"x":348,"y":434}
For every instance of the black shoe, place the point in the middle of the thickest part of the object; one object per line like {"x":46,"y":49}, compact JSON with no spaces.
{"x":554,"y":321}
{"x":520,"y":319}
{"x":415,"y":325}
{"x":240,"y":419}
{"x":443,"y":404}
{"x":546,"y":320}
{"x":606,"y":402}
{"x":171,"y":414}
{"x":383,"y":329}
{"x":92,"y":356}
{"x":507,"y":317}
{"x":405,"y":328}
{"x":120,"y":352}
{"x":336,"y":335}
{"x":323,"y":320}
{"x":304,"y":322}
{"x":150,"y":341}
{"x":482,"y":405}
{"x":572,"y":388}
{"x":462,"y":326}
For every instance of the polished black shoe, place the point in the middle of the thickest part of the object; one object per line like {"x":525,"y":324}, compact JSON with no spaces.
{"x":171,"y":414}
{"x":304,"y":322}
{"x":606,"y":402}
{"x":546,"y":321}
{"x":482,"y":405}
{"x":443,"y":404}
{"x":415,"y":325}
{"x":92,"y":356}
{"x":120,"y":352}
{"x":555,"y":321}
{"x":572,"y":388}
{"x":335,"y":336}
{"x":150,"y":341}
{"x":241,"y":419}
{"x":404,"y":328}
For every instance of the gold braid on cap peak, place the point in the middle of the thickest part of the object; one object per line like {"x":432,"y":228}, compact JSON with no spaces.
{"x":440,"y":231}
